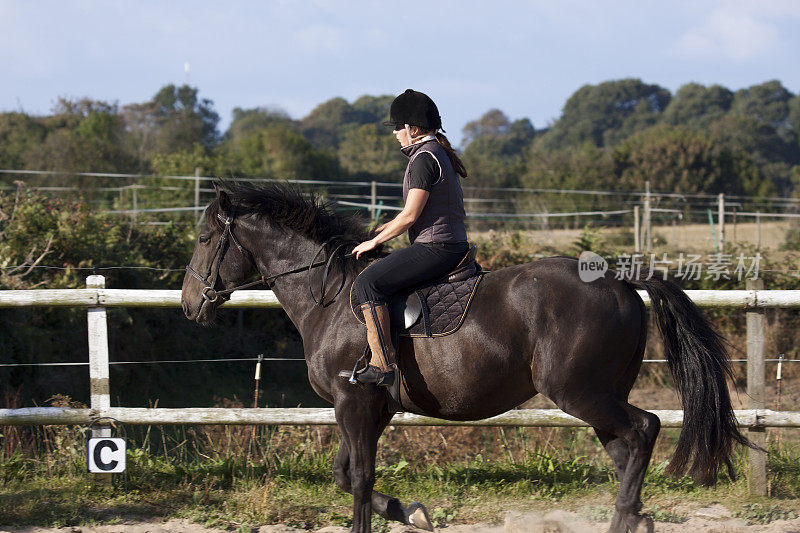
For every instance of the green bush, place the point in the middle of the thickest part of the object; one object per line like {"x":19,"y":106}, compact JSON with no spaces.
{"x":38,"y":232}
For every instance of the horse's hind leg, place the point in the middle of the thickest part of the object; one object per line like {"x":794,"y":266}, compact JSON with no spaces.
{"x":628,"y":434}
{"x":617,"y":449}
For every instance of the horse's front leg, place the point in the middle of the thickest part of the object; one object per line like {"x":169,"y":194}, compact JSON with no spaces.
{"x":386,"y":506}
{"x":359,"y":412}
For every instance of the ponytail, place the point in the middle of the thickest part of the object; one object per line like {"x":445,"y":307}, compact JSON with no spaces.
{"x":458,"y":165}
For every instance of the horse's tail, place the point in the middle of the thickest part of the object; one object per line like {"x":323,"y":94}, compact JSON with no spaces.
{"x":697,"y":358}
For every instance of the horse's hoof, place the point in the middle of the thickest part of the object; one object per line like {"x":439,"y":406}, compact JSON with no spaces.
{"x":643,"y":524}
{"x":417,"y":516}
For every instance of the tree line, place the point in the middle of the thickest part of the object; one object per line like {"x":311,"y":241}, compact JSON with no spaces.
{"x":614,"y":136}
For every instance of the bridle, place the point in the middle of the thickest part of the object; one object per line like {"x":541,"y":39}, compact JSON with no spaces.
{"x":212,"y":273}
{"x":211,"y":295}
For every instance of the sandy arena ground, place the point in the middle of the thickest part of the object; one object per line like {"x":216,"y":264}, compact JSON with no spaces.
{"x":713,"y":519}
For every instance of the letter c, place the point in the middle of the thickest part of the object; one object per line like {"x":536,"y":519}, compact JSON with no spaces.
{"x":98,"y":451}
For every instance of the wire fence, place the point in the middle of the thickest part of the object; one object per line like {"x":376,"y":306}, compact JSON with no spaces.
{"x":506,"y":202}
{"x":285,"y":359}
{"x":166,"y":361}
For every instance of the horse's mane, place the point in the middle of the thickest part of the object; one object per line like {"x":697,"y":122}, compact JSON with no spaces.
{"x":292,"y":209}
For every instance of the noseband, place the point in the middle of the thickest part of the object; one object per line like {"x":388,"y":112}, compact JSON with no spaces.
{"x":210,"y":279}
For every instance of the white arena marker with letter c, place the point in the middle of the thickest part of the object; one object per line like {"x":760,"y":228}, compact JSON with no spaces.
{"x":106,"y":455}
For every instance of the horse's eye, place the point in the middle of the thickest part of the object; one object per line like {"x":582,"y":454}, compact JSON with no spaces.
{"x":204,"y":238}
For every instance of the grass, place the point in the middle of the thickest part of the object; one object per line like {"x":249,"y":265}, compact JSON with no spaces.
{"x":227,"y":477}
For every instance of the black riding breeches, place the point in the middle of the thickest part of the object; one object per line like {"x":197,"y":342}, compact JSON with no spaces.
{"x":407,"y":267}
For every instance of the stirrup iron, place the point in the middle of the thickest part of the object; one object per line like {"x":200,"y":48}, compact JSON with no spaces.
{"x":373,"y":374}
{"x":352,"y":376}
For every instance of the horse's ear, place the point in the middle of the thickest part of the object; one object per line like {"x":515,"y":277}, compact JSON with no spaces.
{"x":223,"y":198}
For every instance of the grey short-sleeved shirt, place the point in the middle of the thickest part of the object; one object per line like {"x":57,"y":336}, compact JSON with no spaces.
{"x":424,"y":172}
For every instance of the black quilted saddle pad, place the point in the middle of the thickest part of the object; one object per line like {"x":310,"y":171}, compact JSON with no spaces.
{"x":442,"y":308}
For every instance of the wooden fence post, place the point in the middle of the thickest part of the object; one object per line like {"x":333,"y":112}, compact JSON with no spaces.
{"x":134,"y":204}
{"x":196,"y":189}
{"x":758,"y":231}
{"x":757,"y":476}
{"x":373,"y":199}
{"x":98,"y":352}
{"x":100,"y":397}
{"x":648,"y":228}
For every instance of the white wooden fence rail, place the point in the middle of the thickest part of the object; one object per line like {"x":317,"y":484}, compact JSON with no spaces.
{"x":307,"y":416}
{"x":743,"y":299}
{"x":96,"y":299}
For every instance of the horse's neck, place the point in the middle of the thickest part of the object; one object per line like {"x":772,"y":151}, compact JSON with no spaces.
{"x":293,"y":290}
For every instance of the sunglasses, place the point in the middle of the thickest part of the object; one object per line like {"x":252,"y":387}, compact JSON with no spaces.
{"x":399,"y":127}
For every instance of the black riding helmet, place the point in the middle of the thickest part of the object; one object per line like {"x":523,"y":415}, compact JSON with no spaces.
{"x":415,"y":109}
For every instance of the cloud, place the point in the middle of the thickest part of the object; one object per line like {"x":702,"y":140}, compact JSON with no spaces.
{"x":781,"y":9}
{"x":729,"y":35}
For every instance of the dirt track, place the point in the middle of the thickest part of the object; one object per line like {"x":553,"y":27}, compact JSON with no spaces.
{"x":714,"y":519}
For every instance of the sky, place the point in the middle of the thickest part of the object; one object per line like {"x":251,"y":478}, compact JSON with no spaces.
{"x":523,"y":57}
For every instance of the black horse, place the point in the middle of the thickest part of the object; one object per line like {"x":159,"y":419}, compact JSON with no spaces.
{"x":532,"y":328}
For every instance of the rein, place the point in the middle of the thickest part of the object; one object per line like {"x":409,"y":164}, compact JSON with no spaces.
{"x":212,"y":273}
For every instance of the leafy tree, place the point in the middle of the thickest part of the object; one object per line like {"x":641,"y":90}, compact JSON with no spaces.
{"x":246,"y":121}
{"x":20,"y":134}
{"x":523,"y":130}
{"x":83,"y":136}
{"x":493,"y":122}
{"x":773,"y":155}
{"x":172,"y":121}
{"x":164,"y":192}
{"x":249,"y":122}
{"x":582,"y":167}
{"x":494,"y":154}
{"x":277,"y":151}
{"x":767,"y":103}
{"x":794,"y":116}
{"x":185,"y":163}
{"x":323,"y":124}
{"x":697,"y":106}
{"x":373,"y":109}
{"x":370,"y":152}
{"x":490,"y":163}
{"x":354,"y":134}
{"x":328,"y":123}
{"x":607,"y":113}
{"x":676,"y":159}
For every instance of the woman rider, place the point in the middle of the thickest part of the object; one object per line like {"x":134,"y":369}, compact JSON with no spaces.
{"x":433,"y":215}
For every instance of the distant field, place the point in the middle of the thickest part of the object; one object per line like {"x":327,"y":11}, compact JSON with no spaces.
{"x":694,"y":237}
